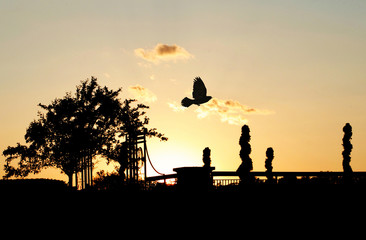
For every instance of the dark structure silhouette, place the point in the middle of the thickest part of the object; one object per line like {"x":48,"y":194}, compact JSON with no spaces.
{"x":194,"y":179}
{"x":206,"y":157}
{"x":347,"y":129}
{"x":268,"y":164}
{"x":136,"y":157}
{"x":247,"y":165}
{"x":199,"y":94}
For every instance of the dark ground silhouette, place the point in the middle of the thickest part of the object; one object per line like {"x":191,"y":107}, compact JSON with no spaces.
{"x":33,"y":185}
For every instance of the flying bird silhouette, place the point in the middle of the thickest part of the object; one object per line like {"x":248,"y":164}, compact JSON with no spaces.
{"x":199,"y":94}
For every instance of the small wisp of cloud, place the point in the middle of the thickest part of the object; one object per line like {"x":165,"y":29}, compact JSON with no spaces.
{"x":142,"y":94}
{"x":163,"y":52}
{"x":176,"y":107}
{"x":229,"y":111}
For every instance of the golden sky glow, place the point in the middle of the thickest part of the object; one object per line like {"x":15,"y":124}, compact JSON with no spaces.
{"x":294,"y":71}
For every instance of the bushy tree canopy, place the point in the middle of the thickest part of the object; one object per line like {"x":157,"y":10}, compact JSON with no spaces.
{"x":87,"y":123}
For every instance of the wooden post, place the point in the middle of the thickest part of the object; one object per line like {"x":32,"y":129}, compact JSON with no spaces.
{"x":91,"y":171}
{"x":144,"y":160}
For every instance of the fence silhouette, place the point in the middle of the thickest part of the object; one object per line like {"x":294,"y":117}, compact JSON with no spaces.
{"x":217,"y":181}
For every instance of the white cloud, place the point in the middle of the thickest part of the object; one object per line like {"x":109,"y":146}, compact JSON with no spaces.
{"x":229,"y":111}
{"x":176,"y":107}
{"x":142,"y":94}
{"x":163,"y":52}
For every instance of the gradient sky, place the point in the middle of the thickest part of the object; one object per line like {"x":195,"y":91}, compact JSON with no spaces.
{"x":300,"y":65}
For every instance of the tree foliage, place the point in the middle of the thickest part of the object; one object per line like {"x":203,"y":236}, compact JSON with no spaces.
{"x":85,"y":124}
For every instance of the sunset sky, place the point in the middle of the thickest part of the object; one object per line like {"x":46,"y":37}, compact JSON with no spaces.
{"x":294,"y":71}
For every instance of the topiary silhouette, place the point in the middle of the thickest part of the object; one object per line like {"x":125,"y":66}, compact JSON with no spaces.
{"x":206,"y":157}
{"x":347,"y":129}
{"x":268,"y":164}
{"x":247,"y":165}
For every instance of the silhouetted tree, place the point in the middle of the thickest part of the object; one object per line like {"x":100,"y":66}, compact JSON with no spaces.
{"x":74,"y":129}
{"x":70,"y":133}
{"x":247,"y":165}
{"x":347,"y":129}
{"x":206,"y":157}
{"x":268,"y":164}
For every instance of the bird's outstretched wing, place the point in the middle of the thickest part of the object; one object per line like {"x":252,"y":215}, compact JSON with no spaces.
{"x":199,"y":89}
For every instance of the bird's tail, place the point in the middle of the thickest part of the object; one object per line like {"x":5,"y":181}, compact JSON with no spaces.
{"x":186,"y":102}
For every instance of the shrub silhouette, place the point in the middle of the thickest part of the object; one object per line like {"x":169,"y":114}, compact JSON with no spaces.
{"x":247,"y":165}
